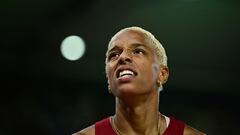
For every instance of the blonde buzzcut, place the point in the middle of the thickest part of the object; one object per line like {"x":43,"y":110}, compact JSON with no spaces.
{"x":150,"y":39}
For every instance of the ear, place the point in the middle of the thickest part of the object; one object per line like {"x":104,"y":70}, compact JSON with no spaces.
{"x":163,"y":74}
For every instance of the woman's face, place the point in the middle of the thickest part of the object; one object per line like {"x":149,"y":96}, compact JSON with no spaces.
{"x":131,"y":65}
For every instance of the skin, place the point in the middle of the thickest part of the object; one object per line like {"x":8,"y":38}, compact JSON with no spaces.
{"x":137,"y":97}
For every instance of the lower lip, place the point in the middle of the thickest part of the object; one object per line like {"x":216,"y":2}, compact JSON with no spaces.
{"x":125,"y":78}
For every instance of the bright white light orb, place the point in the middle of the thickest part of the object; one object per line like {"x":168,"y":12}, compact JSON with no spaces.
{"x":73,"y":48}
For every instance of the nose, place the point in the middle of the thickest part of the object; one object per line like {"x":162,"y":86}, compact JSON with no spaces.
{"x":125,"y":57}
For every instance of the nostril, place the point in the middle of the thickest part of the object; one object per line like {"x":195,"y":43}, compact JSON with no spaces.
{"x":128,"y":59}
{"x":124,"y":60}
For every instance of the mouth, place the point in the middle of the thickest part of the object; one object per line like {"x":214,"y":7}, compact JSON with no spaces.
{"x":126,"y":72}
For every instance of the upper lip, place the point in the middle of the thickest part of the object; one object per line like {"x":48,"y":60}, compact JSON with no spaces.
{"x":122,"y":68}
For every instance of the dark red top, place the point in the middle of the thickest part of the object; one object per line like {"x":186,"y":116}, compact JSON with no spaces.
{"x":104,"y":127}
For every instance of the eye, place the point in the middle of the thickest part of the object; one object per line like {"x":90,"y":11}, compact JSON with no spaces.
{"x":138,"y":51}
{"x":113,"y":55}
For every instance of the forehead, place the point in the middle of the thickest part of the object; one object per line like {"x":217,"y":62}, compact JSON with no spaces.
{"x":128,"y":38}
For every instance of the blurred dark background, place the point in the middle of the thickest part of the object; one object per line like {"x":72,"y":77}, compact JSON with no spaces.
{"x":43,"y":93}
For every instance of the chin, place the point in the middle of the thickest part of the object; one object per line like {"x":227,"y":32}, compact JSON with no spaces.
{"x":129,"y":91}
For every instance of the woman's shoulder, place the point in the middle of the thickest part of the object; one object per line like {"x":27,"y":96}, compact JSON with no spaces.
{"x":185,"y":128}
{"x":86,"y":131}
{"x":102,"y":124}
{"x":188,"y":130}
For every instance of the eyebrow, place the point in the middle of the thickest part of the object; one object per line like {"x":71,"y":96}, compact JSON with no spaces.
{"x":139,"y":45}
{"x":132,"y":46}
{"x":113,"y":48}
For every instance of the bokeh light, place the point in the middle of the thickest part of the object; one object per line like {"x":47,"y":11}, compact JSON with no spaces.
{"x":73,"y":48}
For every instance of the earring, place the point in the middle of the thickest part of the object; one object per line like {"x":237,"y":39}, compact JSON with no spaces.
{"x":109,"y":89}
{"x":159,"y":83}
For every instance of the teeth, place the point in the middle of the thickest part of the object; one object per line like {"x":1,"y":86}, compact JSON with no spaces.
{"x":125,"y":72}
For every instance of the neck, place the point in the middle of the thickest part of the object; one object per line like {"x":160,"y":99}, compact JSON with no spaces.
{"x":138,"y":117}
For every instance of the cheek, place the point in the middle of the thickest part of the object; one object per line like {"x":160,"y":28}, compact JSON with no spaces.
{"x":155,"y":71}
{"x":109,"y":71}
{"x":142,"y":65}
{"x":151,"y":71}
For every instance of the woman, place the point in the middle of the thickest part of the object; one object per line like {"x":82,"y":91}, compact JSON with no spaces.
{"x":136,"y":69}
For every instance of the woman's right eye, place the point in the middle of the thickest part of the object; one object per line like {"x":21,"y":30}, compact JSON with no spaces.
{"x":113,"y":56}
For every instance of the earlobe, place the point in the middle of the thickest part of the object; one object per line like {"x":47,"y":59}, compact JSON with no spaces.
{"x":159,"y":83}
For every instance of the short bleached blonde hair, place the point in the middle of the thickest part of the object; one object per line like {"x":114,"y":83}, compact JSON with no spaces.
{"x":149,"y":38}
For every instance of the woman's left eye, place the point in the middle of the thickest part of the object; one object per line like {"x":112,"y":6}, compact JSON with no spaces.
{"x":138,"y":51}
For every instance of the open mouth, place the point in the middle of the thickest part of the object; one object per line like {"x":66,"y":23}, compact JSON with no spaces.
{"x":125,"y":73}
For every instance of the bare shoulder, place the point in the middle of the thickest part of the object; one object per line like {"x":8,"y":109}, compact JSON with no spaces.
{"x":86,"y":131}
{"x":191,"y":131}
